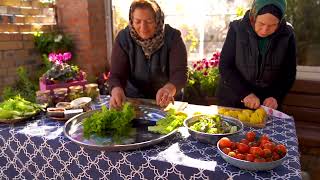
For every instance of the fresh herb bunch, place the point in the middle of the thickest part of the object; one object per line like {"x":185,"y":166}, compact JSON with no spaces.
{"x":172,"y":121}
{"x":203,"y":77}
{"x":113,"y":122}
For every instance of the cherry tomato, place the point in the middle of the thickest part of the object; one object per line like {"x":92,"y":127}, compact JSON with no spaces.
{"x":267,"y":153}
{"x":264,"y":137}
{"x":257,"y":151}
{"x":226,"y":150}
{"x":269,"y":145}
{"x":243,"y":148}
{"x":281,"y":149}
{"x":251,"y":136}
{"x":224,"y":142}
{"x":240,"y":156}
{"x":263,"y":142}
{"x":253,"y":144}
{"x":233,"y":145}
{"x":275,"y":156}
{"x":250,"y":157}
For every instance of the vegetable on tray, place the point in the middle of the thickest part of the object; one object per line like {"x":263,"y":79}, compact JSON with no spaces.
{"x":114,"y":122}
{"x":172,"y":121}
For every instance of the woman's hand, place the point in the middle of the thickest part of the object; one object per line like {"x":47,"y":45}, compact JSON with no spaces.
{"x":165,"y":95}
{"x":117,"y":98}
{"x":271,"y":103}
{"x":251,"y":101}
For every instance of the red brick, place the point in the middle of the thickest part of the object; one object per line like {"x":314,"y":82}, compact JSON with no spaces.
{"x":29,"y":37}
{"x":11,"y":45}
{"x":10,"y":37}
{"x":28,"y":44}
{"x":9,"y":28}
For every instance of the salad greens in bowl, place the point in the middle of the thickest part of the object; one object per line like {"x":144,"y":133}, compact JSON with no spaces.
{"x":210,"y":128}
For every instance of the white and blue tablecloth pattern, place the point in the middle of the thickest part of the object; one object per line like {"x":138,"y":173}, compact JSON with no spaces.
{"x":38,"y":149}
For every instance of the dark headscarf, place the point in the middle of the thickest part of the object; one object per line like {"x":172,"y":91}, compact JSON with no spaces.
{"x":260,"y":7}
{"x":151,"y":45}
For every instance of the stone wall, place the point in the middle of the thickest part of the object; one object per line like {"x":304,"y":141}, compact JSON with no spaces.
{"x":19,"y":19}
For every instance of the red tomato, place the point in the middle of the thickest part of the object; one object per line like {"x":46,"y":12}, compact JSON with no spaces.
{"x":275,"y":156}
{"x":243,"y":148}
{"x":240,"y":156}
{"x":224,"y":142}
{"x":263,"y":142}
{"x":253,"y":144}
{"x":251,"y":136}
{"x":232,"y":154}
{"x":257,"y":151}
{"x":264,"y":137}
{"x":233,"y":145}
{"x":281,"y":149}
{"x":269,"y":145}
{"x":244,"y":141}
{"x":259,"y":160}
{"x":250,"y":157}
{"x":267,"y":153}
{"x":226,"y":150}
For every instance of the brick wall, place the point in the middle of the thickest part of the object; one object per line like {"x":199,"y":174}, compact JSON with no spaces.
{"x":18,"y":20}
{"x":85,"y":21}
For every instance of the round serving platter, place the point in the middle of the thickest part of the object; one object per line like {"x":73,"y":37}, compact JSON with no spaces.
{"x":139,"y":137}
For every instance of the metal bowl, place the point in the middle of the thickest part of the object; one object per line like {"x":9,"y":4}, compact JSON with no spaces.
{"x":247,"y":165}
{"x":212,"y":138}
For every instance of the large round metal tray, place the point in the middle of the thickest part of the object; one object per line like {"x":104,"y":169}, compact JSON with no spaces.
{"x":73,"y":130}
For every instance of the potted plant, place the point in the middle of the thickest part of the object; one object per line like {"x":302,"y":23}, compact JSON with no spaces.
{"x":203,"y":77}
{"x":61,"y":74}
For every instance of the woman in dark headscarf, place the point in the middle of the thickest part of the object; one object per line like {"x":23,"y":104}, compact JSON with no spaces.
{"x":149,"y":59}
{"x":258,"y":58}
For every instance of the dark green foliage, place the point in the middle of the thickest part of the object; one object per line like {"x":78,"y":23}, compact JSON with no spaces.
{"x":53,"y":42}
{"x":304,"y":16}
{"x":23,"y":87}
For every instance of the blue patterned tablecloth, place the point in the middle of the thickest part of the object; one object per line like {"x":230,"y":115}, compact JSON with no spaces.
{"x":38,"y":149}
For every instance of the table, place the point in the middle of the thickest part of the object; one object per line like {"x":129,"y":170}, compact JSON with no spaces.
{"x":38,"y":149}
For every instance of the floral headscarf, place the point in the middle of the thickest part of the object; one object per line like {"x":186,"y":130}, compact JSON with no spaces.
{"x":151,"y":45}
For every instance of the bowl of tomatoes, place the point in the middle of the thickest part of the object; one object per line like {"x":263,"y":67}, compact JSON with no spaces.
{"x":210,"y":128}
{"x":251,"y":152}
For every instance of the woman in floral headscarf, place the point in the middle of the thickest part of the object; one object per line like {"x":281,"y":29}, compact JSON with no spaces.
{"x":258,"y":58}
{"x":149,"y":59}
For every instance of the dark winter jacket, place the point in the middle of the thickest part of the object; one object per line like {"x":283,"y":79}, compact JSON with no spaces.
{"x":142,"y":77}
{"x":242,"y":72}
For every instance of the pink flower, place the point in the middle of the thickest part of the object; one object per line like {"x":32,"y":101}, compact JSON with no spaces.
{"x":199,"y":68}
{"x":194,"y":65}
{"x":67,"y":56}
{"x":205,"y":73}
{"x":52,"y":57}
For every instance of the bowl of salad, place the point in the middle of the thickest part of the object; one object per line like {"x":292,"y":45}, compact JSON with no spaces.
{"x":211,"y":128}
